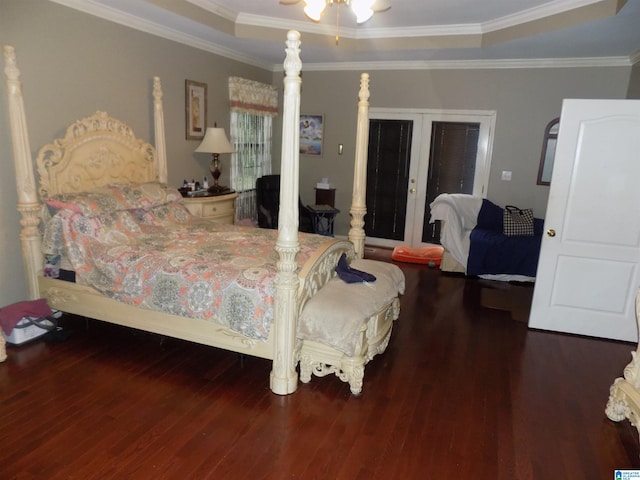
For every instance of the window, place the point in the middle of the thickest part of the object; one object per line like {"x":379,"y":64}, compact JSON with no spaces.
{"x":253,"y":106}
{"x":251,"y":137}
{"x":548,"y":152}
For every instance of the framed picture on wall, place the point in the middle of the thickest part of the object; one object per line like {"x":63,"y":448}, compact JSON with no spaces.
{"x":195,"y":109}
{"x":311,"y":134}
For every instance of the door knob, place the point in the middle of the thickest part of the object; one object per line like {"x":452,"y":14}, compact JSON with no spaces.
{"x":551,"y":232}
{"x":412,"y":190}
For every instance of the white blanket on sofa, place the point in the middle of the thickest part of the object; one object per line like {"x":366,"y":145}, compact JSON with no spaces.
{"x":459,"y":211}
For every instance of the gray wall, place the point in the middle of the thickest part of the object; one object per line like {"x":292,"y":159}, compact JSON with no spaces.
{"x":634,"y":82}
{"x":73,"y":64}
{"x":525,"y":101}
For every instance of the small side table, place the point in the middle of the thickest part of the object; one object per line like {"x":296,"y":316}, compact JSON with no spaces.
{"x":215,"y":207}
{"x":323,"y":217}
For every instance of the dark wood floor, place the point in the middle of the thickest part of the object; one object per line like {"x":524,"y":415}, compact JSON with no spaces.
{"x":463,"y":391}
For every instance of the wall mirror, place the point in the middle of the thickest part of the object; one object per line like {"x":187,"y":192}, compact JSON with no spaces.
{"x":548,"y":152}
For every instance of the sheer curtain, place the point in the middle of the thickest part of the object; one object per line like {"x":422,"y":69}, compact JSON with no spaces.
{"x":253,"y":106}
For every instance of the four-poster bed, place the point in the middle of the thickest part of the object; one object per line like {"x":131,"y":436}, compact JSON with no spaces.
{"x":99,"y":151}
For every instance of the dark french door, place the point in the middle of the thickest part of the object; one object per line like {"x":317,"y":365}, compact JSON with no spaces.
{"x":387,"y":178}
{"x":452,"y":167}
{"x":413,"y":157}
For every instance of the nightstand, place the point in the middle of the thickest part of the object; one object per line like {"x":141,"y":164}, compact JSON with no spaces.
{"x":220,"y":208}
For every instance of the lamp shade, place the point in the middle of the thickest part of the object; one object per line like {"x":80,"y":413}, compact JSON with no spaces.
{"x":215,"y":141}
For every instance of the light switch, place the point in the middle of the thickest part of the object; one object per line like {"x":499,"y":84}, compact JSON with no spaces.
{"x":506,"y":175}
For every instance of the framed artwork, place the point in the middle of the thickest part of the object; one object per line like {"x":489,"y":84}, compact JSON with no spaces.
{"x":311,"y":134}
{"x":195,"y":109}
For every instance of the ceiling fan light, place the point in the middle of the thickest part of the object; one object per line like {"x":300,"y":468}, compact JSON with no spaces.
{"x":314,"y":9}
{"x":363,"y":9}
{"x":363,"y":14}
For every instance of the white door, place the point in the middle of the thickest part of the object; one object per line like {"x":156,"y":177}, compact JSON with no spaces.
{"x":589,"y":268}
{"x":422,"y":123}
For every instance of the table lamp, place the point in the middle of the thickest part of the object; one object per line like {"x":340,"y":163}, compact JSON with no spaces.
{"x":215,"y":142}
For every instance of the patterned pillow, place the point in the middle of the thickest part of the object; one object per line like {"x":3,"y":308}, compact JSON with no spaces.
{"x":116,"y":197}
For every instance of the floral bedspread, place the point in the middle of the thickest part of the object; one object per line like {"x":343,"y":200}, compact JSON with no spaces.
{"x":160,"y":257}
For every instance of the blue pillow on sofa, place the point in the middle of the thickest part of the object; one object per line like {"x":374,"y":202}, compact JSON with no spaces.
{"x":490,"y":216}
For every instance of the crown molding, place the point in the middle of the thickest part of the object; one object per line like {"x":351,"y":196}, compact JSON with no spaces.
{"x":538,"y":13}
{"x":216,"y":9}
{"x":131,"y":21}
{"x":524,"y":17}
{"x":107,"y":13}
{"x":249,"y":20}
{"x":471,"y":64}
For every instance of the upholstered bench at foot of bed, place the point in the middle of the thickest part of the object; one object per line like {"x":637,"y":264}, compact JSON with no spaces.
{"x":345,"y":325}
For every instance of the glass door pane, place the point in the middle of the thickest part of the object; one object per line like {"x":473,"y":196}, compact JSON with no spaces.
{"x":388,"y":177}
{"x":452,"y":167}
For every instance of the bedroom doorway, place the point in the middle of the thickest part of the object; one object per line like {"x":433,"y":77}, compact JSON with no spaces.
{"x":588,"y":277}
{"x":414,"y":155}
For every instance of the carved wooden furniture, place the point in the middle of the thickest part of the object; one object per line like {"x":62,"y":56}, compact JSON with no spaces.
{"x":344,"y":326}
{"x":624,"y":394}
{"x":220,"y":208}
{"x":100,"y":149}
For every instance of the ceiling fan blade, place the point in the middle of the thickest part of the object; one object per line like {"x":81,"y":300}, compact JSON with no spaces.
{"x":288,"y":2}
{"x":381,"y":5}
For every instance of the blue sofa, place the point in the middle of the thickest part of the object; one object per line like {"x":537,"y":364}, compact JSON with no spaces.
{"x":492,"y":252}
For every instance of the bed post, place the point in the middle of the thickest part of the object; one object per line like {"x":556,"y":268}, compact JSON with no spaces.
{"x":358,"y":200}
{"x":284,"y":378}
{"x":158,"y":127}
{"x":28,"y":204}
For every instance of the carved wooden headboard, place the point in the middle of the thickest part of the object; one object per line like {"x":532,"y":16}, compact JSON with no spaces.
{"x":74,"y":163}
{"x":95,"y":151}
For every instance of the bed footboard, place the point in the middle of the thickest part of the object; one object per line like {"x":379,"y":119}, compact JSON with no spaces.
{"x":321,"y":268}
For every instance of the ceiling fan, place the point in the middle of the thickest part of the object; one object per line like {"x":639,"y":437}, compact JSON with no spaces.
{"x":363,"y":9}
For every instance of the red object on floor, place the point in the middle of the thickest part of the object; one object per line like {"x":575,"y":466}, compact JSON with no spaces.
{"x":12,"y":314}
{"x":426,"y":255}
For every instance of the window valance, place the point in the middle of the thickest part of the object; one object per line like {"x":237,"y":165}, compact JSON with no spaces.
{"x":253,"y":97}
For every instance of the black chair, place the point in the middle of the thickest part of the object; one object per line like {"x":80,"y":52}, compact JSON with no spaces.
{"x":268,"y":199}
